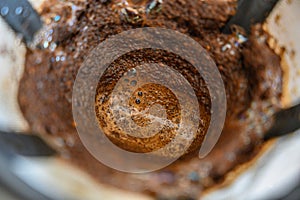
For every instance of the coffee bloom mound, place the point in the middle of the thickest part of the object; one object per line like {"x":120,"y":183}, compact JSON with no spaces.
{"x":146,"y":97}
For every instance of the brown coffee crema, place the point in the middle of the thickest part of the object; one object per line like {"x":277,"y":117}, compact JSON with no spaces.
{"x":151,"y":101}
